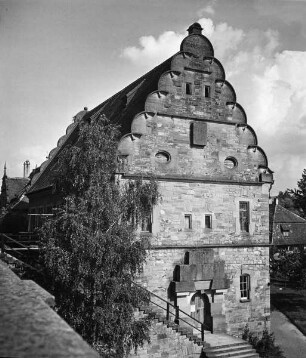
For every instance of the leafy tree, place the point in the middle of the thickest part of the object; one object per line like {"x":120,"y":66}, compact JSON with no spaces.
{"x":90,"y":246}
{"x":265,"y":345}
{"x":299,"y":195}
{"x":286,"y":200}
{"x":289,"y":265}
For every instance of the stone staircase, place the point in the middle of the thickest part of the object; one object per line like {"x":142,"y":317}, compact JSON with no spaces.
{"x":214,"y":345}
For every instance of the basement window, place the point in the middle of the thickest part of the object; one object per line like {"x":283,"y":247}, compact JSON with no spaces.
{"x":188,"y":88}
{"x":208,"y":222}
{"x":245,"y":287}
{"x":188,"y":221}
{"x":207,"y":91}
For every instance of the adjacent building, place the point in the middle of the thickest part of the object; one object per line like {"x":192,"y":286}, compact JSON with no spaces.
{"x":13,"y":203}
{"x":288,"y":230}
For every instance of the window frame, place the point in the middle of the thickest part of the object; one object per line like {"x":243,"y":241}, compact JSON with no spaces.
{"x":245,"y":287}
{"x":244,"y":216}
{"x":146,"y":224}
{"x":189,"y":217}
{"x":209,"y":216}
{"x":207,"y":91}
{"x":188,"y":89}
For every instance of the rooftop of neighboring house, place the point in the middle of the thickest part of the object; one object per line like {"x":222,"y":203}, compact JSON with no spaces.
{"x":288,"y":228}
{"x":12,"y":189}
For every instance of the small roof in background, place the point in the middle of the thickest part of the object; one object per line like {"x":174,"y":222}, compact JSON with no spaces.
{"x":288,"y":229}
{"x":282,"y":215}
{"x":14,"y":187}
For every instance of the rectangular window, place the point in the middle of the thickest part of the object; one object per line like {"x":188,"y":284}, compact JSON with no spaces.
{"x":244,"y":216}
{"x":208,"y":222}
{"x":207,"y":91}
{"x":188,"y":221}
{"x":245,"y":287}
{"x":188,"y":88}
{"x":146,"y":224}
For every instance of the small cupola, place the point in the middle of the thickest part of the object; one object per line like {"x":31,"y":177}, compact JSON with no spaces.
{"x":195,"y":29}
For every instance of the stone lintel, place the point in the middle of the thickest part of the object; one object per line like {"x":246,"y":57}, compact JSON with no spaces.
{"x":203,"y":285}
{"x":184,"y":286}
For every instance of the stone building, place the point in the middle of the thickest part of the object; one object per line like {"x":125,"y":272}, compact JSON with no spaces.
{"x":210,"y":232}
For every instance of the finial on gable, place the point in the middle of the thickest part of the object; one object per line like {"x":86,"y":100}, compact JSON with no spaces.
{"x":4,"y":170}
{"x":195,"y":29}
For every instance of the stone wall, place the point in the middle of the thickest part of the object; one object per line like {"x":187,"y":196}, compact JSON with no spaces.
{"x":29,"y":327}
{"x":221,"y":202}
{"x":176,"y":137}
{"x":167,"y":343}
{"x":229,"y":312}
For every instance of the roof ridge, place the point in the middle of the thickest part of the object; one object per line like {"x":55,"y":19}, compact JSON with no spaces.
{"x":290,"y":212}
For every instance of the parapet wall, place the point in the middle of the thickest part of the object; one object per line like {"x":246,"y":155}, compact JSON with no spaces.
{"x":29,"y":327}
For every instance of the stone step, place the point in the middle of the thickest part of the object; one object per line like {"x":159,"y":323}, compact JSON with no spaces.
{"x":228,"y":348}
{"x":216,"y":346}
{"x":213,"y":344}
{"x":233,"y":353}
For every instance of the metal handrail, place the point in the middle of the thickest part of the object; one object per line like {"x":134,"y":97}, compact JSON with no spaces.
{"x":15,"y":250}
{"x":177,"y":313}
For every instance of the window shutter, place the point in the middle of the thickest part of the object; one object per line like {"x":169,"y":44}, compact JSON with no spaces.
{"x":199,"y":134}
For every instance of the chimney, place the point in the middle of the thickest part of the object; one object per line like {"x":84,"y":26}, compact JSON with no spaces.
{"x":26,"y":168}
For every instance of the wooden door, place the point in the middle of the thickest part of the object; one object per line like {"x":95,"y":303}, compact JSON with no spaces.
{"x":201,"y":309}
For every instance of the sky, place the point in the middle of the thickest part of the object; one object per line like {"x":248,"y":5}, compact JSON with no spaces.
{"x":58,"y":56}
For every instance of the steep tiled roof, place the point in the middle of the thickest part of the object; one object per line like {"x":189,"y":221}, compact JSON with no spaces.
{"x":283,"y":215}
{"x":14,"y":187}
{"x":120,"y":108}
{"x":288,"y":228}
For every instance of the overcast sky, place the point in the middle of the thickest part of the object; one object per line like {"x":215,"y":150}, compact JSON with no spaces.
{"x":57,"y":56}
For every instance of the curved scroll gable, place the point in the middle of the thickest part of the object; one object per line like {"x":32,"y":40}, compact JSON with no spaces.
{"x":156,"y":101}
{"x":181,"y":60}
{"x":168,"y":80}
{"x":62,"y":140}
{"x":198,"y":45}
{"x":126,"y":144}
{"x":236,"y":113}
{"x":226,"y":90}
{"x":139,"y":123}
{"x":257,"y":152}
{"x":247,"y":134}
{"x":53,"y":152}
{"x":215,"y":66}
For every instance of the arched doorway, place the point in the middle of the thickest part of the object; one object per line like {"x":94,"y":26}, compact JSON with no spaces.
{"x":201,"y":309}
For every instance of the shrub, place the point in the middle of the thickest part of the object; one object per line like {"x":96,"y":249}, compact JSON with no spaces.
{"x":265,"y":345}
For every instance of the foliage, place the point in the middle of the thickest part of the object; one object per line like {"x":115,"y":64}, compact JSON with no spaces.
{"x":295,"y":199}
{"x":90,"y":246}
{"x":265,"y":345}
{"x":286,"y":200}
{"x":300,"y":194}
{"x":289,"y":265}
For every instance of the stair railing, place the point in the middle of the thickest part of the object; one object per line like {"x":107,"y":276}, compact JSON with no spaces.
{"x":12,"y":246}
{"x":177,"y":313}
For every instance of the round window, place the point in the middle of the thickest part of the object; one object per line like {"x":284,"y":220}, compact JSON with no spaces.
{"x":162,"y":157}
{"x":230,"y":163}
